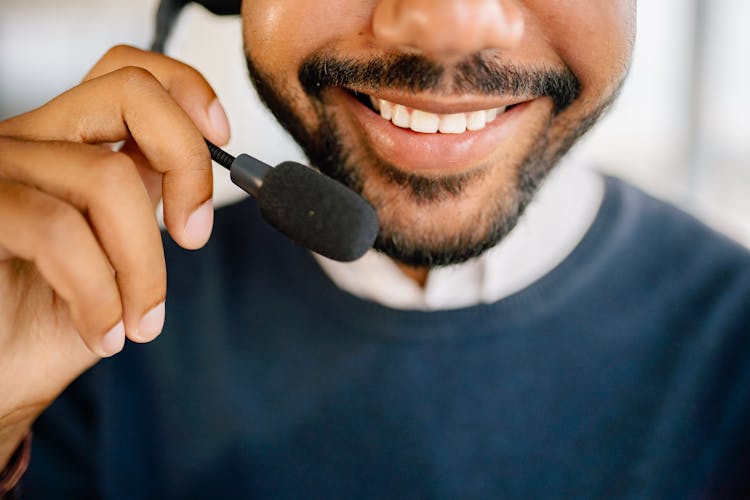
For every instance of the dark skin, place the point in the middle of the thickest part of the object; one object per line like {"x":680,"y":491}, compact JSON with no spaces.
{"x":591,"y":39}
{"x":81,"y":264}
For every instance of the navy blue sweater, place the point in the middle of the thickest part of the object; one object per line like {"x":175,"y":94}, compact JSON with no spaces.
{"x":623,"y":373}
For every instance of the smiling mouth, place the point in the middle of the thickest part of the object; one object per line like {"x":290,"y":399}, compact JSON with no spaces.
{"x":404,"y":129}
{"x":425,"y":122}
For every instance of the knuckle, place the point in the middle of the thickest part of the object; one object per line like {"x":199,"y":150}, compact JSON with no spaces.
{"x":114,"y":175}
{"x":191,"y":73}
{"x":116,"y":57}
{"x":119,"y":52}
{"x":198,"y":156}
{"x":136,"y":77}
{"x":112,"y":169}
{"x":60,"y":224}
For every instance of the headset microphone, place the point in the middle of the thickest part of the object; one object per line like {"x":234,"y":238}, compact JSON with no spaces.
{"x":316,"y":211}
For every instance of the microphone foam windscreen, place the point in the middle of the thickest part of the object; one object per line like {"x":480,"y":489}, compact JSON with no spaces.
{"x":317,"y":212}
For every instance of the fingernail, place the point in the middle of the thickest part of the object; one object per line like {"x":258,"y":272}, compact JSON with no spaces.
{"x":151,"y":324}
{"x":199,"y":224}
{"x":113,"y":341}
{"x":217,"y":117}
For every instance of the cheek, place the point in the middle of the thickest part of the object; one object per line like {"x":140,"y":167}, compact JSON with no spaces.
{"x":593,"y":37}
{"x":273,"y":33}
{"x":267,"y":29}
{"x":281,"y":33}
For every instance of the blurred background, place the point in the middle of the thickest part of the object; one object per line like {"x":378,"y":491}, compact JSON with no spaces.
{"x":681,"y":129}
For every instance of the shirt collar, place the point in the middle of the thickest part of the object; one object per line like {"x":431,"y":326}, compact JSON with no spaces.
{"x":551,"y":227}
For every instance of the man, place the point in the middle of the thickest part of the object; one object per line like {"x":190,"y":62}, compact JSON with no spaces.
{"x":608,"y":359}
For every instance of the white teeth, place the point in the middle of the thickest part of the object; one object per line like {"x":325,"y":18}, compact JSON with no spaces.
{"x":476,"y":120}
{"x":386,"y":109}
{"x":430,"y":123}
{"x":424,"y":122}
{"x":401,"y":116}
{"x":494,"y":113}
{"x":453,"y":124}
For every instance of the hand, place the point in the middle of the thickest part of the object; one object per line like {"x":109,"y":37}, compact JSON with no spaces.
{"x":81,"y":260}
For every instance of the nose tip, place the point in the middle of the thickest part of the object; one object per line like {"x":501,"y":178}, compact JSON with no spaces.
{"x":448,"y":28}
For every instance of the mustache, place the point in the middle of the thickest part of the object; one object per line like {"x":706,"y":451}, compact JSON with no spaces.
{"x":478,"y":74}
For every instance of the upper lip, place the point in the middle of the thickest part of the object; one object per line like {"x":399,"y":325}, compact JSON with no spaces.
{"x":442,"y":104}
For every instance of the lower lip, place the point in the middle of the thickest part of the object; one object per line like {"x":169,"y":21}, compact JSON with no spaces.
{"x":433,"y":153}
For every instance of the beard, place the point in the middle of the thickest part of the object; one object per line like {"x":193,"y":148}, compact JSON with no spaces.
{"x":400,"y":237}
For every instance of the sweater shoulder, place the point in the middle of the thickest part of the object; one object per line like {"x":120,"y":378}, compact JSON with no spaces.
{"x":664,"y":256}
{"x":646,"y":226}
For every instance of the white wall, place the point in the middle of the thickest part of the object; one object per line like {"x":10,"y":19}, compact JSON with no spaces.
{"x":46,"y":46}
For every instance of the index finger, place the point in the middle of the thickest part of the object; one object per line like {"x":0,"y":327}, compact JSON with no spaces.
{"x":183,"y":82}
{"x":130,"y":102}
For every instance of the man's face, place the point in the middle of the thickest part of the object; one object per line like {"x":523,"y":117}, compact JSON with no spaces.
{"x":444,"y":114}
